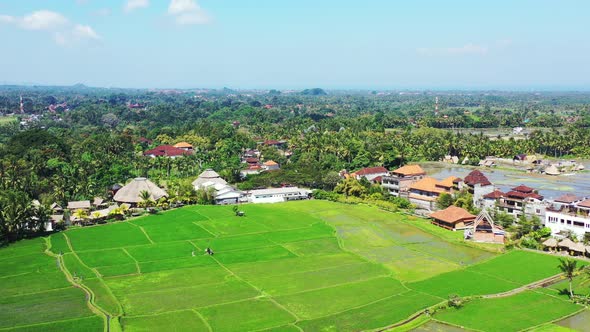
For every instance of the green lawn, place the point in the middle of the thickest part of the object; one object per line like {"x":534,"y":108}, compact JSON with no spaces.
{"x":310,"y":265}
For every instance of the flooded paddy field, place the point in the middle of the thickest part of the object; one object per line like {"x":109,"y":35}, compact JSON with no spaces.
{"x":503,"y":179}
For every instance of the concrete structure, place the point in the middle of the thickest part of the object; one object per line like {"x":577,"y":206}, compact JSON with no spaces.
{"x":574,"y":218}
{"x":276,"y":195}
{"x":522,"y":200}
{"x":224,"y":193}
{"x":398,"y":182}
{"x":424,"y":193}
{"x":478,"y":185}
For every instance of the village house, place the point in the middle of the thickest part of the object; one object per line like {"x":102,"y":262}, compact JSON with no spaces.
{"x":168,"y":151}
{"x":398,"y":182}
{"x":452,"y":218}
{"x":370,"y":173}
{"x":270,"y":165}
{"x":184,"y":146}
{"x":251,"y":170}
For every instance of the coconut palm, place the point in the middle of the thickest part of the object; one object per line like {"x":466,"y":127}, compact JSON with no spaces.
{"x":570,"y":269}
{"x":145,"y":198}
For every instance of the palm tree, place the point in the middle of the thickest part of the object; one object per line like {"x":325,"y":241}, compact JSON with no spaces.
{"x":145,"y":198}
{"x":570,"y":268}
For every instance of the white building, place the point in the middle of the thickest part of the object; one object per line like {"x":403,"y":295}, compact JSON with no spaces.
{"x":573,"y":218}
{"x":224,"y":193}
{"x":276,"y":195}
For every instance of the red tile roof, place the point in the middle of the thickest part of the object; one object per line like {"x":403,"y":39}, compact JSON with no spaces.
{"x":166,"y":151}
{"x":476,"y":177}
{"x":494,"y":194}
{"x":521,"y":195}
{"x":272,"y":142}
{"x":523,"y":189}
{"x":371,"y":170}
{"x":568,"y":198}
{"x":585,"y":203}
{"x":453,"y":215}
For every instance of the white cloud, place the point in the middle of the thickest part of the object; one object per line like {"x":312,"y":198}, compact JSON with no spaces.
{"x":43,"y":20}
{"x":62,"y":30}
{"x":131,"y":5}
{"x":102,"y":12}
{"x":188,"y":12}
{"x":7,"y":19}
{"x":182,"y":6}
{"x":85,"y":31}
{"x":467,"y":49}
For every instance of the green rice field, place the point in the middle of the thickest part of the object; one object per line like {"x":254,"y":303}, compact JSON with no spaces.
{"x":297,"y":266}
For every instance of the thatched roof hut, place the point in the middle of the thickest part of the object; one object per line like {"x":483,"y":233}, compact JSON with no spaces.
{"x":578,"y":247}
{"x":566,"y":243}
{"x":130,"y":193}
{"x":550,"y":243}
{"x":552,"y":170}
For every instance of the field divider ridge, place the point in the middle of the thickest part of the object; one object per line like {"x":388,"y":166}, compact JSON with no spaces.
{"x":259,"y":291}
{"x":90,"y":296}
{"x":203,"y":228}
{"x":144,"y":232}
{"x":78,"y":257}
{"x":133,"y":258}
{"x":203,"y":319}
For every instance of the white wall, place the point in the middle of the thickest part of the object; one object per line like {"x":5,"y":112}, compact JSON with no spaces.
{"x":553,"y":220}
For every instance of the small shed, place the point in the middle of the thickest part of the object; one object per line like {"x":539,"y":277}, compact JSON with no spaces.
{"x":552,"y":170}
{"x":79,"y":205}
{"x":565,"y":244}
{"x":452,"y":218}
{"x":550,"y":244}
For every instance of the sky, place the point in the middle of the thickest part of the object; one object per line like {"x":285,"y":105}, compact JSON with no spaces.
{"x":295,"y":44}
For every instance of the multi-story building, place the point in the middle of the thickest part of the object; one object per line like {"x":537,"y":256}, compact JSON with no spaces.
{"x":522,"y":200}
{"x":398,"y":182}
{"x":574,"y":218}
{"x":477,"y":184}
{"x":425,"y":192}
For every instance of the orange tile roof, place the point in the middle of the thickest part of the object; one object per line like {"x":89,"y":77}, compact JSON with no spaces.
{"x":408,"y":170}
{"x":448,"y":182}
{"x":270,"y":163}
{"x":452,"y":215}
{"x":427,"y":184}
{"x":183,"y":145}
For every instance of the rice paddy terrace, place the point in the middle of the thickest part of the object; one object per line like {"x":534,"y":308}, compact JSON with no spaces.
{"x":299,"y":266}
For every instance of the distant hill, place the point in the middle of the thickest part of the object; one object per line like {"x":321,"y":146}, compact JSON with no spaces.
{"x":314,"y":92}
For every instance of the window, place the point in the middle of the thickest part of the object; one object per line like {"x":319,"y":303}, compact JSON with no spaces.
{"x":579,"y":223}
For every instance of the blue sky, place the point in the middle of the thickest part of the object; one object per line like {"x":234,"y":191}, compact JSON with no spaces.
{"x":370,"y":44}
